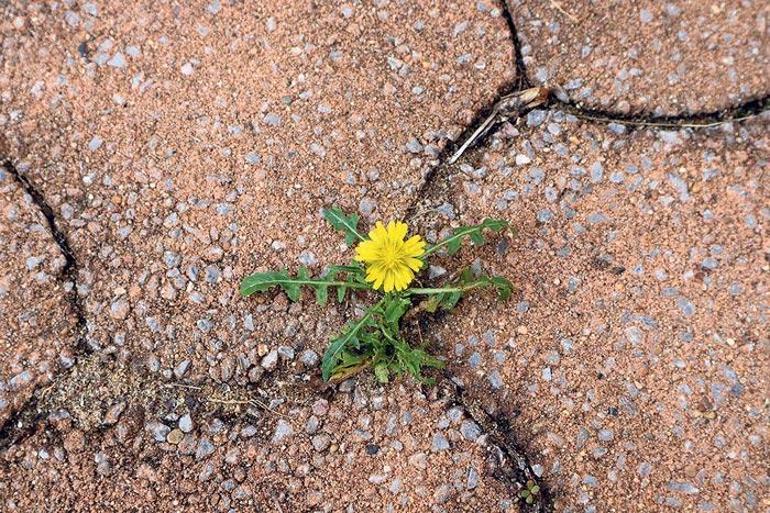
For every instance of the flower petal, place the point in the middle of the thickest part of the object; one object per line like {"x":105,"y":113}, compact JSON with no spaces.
{"x":389,"y":279}
{"x":397,"y":230}
{"x":378,"y":233}
{"x":414,"y":264}
{"x":367,"y":251}
{"x":415,"y":246}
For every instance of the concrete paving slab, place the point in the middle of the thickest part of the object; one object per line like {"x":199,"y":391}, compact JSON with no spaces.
{"x":634,"y":355}
{"x":662,"y":58}
{"x":38,"y":326}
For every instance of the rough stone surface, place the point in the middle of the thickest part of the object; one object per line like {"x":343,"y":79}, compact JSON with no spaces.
{"x":638,"y":368}
{"x":660,"y":57}
{"x":211,"y":152}
{"x":182,"y":146}
{"x":37,"y":323}
{"x":223,"y":465}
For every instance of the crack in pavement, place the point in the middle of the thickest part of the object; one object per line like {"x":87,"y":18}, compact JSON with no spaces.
{"x":741,"y":112}
{"x":518,"y":55}
{"x":512,"y":462}
{"x":504,"y":443}
{"x":504,"y":440}
{"x":749,"y":108}
{"x":22,"y":422}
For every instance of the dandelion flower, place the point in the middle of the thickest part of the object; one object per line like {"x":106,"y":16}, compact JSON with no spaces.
{"x":390,"y":260}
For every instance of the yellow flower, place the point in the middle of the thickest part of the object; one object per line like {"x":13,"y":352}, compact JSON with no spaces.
{"x":390,"y":260}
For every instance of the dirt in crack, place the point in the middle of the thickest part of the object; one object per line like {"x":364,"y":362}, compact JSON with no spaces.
{"x":22,"y":422}
{"x":512,"y":462}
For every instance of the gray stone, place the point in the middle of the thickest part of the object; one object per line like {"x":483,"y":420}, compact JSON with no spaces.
{"x":321,"y":442}
{"x":205,"y":449}
{"x":158,"y":430}
{"x":367,"y":206}
{"x":119,"y":309}
{"x":473,"y":479}
{"x":282,"y":431}
{"x":440,"y":443}
{"x":536,"y":117}
{"x":181,"y":369}
{"x":270,"y":360}
{"x":470,"y":430}
{"x":117,"y":61}
{"x":605,"y":435}
{"x":414,"y":146}
{"x":309,"y":358}
{"x":185,"y":423}
{"x":307,"y":258}
{"x":495,"y":380}
{"x":286,"y":352}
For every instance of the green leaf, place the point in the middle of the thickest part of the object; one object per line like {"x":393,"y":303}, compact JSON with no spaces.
{"x":322,"y":294}
{"x":412,"y":360}
{"x":347,"y":224}
{"x":381,"y":372}
{"x":450,"y":300}
{"x":448,"y":296}
{"x":453,"y":243}
{"x":263,"y":282}
{"x":503,"y":286}
{"x":348,"y":337}
{"x":395,"y":308}
{"x":352,"y":274}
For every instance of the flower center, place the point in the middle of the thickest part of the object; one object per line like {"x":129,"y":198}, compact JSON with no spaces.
{"x":391,"y":257}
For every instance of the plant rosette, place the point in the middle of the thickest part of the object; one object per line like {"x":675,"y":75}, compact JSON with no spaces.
{"x":387,"y":262}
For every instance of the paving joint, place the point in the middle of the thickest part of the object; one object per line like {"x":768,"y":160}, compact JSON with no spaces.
{"x":22,"y":422}
{"x":504,"y":439}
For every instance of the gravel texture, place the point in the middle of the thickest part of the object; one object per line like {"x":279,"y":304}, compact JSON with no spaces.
{"x":365,"y":448}
{"x":37,"y":325}
{"x":655,"y":57}
{"x":182,"y":146}
{"x":634,"y":355}
{"x":210,"y":152}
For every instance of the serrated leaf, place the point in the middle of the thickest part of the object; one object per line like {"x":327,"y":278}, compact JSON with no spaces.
{"x":503,"y":286}
{"x":453,"y":243}
{"x":395,"y":308}
{"x":292,"y":286}
{"x":347,"y":224}
{"x":477,"y":238}
{"x":322,"y":294}
{"x":496,"y":225}
{"x":262,"y":282}
{"x":347,"y":338}
{"x":292,"y":290}
{"x":432,"y":304}
{"x":450,"y":300}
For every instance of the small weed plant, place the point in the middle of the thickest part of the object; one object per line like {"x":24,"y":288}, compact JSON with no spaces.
{"x":386,"y":263}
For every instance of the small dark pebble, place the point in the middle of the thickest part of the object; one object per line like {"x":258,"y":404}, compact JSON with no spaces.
{"x":372,"y":449}
{"x":83,"y":50}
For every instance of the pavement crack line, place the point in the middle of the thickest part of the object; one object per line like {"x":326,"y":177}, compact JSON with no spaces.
{"x":23,"y":421}
{"x":503,"y":442}
{"x":511,"y":458}
{"x":522,"y":80}
{"x":512,"y":461}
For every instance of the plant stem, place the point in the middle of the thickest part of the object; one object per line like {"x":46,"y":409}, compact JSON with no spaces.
{"x":459,"y":234}
{"x":443,"y":290}
{"x":348,"y":284}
